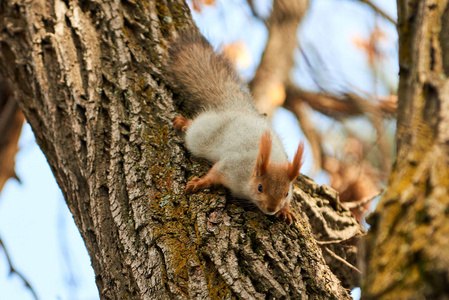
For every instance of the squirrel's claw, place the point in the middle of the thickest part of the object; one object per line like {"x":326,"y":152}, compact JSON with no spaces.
{"x":193,"y":185}
{"x":181,"y":123}
{"x":286,"y":215}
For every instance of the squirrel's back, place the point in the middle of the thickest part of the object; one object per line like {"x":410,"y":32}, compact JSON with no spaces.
{"x":205,"y":80}
{"x":248,"y":156}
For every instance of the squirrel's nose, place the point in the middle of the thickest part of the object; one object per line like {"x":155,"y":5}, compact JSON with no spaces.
{"x":271,"y":209}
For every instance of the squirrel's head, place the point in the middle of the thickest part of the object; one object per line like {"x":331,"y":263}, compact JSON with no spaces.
{"x":270,"y":183}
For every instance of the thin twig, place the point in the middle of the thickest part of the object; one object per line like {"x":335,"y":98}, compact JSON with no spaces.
{"x":338,"y":241}
{"x":310,"y":132}
{"x":255,"y":13}
{"x":13,"y":270}
{"x":362,"y":202}
{"x":342,"y":260}
{"x":312,"y":69}
{"x":378,"y":10}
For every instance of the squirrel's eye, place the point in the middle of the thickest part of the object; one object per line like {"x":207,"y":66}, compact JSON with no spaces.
{"x":260,"y":188}
{"x":286,"y":195}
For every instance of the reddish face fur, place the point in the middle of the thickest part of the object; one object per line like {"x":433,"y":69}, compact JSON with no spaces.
{"x":275,"y":179}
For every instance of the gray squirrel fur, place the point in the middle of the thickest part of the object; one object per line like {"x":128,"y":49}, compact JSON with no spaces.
{"x":227,"y":129}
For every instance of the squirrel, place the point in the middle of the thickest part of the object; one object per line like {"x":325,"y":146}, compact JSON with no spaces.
{"x":247,"y":155}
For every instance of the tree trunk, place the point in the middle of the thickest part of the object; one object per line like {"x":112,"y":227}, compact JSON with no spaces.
{"x":409,"y":237}
{"x":88,"y":75}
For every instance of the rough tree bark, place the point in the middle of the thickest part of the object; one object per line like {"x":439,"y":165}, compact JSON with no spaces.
{"x":409,"y":237}
{"x":88,"y":75}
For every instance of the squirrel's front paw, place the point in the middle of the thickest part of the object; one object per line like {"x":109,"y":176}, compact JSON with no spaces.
{"x":286,"y":215}
{"x":193,"y":185}
{"x":181,"y":123}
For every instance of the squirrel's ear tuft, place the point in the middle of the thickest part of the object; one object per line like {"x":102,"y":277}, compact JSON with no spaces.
{"x":264,"y":154}
{"x":295,"y":165}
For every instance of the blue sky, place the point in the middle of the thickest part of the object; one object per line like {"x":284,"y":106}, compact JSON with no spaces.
{"x":38,"y":231}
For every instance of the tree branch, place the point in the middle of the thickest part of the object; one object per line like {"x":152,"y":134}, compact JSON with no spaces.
{"x":362,"y":202}
{"x":273,"y":72}
{"x":312,"y":135}
{"x":342,"y":260}
{"x":378,"y":10}
{"x":13,"y":270}
{"x":338,"y":107}
{"x":255,"y":13}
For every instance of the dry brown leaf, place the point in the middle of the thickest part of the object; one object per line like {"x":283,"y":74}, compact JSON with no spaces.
{"x":370,"y":45}
{"x":354,"y":178}
{"x":238,"y":53}
{"x":198,"y":4}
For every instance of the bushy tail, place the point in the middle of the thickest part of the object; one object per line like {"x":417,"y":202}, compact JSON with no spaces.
{"x":205,"y":79}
